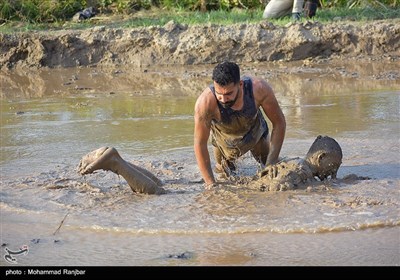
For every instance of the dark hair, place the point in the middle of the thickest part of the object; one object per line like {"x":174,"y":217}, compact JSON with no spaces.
{"x":326,"y":144}
{"x":225,"y":73}
{"x":327,"y":147}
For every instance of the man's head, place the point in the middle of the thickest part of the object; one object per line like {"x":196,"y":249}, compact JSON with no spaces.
{"x":325,"y":157}
{"x":225,"y":73}
{"x":226,"y":77}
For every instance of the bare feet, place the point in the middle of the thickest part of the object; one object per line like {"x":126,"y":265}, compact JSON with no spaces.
{"x":101,"y":158}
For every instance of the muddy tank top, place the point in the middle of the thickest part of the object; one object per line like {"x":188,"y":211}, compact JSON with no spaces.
{"x":238,"y":131}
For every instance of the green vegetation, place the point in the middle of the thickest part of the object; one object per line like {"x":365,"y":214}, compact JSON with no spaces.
{"x":359,"y":3}
{"x":39,"y":11}
{"x":25,"y":15}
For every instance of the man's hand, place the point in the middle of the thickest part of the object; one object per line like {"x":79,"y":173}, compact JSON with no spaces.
{"x":215,"y":185}
{"x":271,"y":171}
{"x":210,"y":186}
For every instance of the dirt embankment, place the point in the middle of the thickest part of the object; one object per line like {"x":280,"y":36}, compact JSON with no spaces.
{"x":183,"y":45}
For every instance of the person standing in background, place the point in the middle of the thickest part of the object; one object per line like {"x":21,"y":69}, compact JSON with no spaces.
{"x":280,"y":8}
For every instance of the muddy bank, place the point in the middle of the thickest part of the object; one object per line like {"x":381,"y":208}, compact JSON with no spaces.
{"x":176,"y":44}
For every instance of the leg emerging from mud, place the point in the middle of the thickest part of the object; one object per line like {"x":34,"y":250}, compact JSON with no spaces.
{"x":261,"y":150}
{"x":139,"y":179}
{"x":223,"y":166}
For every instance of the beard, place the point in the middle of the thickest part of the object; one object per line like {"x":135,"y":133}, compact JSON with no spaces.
{"x":229,"y":104}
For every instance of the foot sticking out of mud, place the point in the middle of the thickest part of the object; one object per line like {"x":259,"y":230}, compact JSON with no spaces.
{"x":139,"y":179}
{"x":98,"y":159}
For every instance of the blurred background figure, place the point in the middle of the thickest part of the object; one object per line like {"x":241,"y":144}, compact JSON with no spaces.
{"x":281,"y":8}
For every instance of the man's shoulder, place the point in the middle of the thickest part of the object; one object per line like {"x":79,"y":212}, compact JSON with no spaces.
{"x":206,"y":94}
{"x":261,"y":88}
{"x":206,"y":99}
{"x":257,"y":81}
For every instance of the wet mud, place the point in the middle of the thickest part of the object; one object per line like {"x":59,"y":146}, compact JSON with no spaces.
{"x":177,"y":44}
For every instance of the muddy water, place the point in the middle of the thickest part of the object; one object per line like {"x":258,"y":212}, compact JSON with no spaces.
{"x":51,"y":118}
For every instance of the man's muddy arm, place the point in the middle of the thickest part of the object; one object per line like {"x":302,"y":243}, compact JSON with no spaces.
{"x":274,"y":113}
{"x":204,"y":163}
{"x":202,"y":126}
{"x":276,"y":141}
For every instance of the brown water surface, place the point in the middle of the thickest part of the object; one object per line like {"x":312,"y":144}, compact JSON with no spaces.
{"x":50,"y":118}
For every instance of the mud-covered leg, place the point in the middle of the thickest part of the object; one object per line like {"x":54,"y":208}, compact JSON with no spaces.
{"x":148,"y":174}
{"x":224,"y":167}
{"x":105,"y":158}
{"x":218,"y":160}
{"x":261,"y":150}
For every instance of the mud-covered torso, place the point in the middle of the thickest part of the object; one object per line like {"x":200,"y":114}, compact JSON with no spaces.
{"x":286,"y":175}
{"x":238,"y":130}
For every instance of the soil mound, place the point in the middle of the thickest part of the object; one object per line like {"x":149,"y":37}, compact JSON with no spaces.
{"x":176,"y":44}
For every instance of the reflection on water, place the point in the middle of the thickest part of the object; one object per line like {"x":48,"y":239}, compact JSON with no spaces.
{"x":50,"y":119}
{"x":374,"y":113}
{"x":146,"y":120}
{"x":39,"y":129}
{"x":144,"y":112}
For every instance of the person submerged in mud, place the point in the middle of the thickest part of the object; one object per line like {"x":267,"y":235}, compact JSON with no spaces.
{"x":139,"y":179}
{"x":230,"y":110}
{"x":322,"y":160}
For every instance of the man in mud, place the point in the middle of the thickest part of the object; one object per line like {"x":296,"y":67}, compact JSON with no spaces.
{"x":230,"y":111}
{"x":323,"y":160}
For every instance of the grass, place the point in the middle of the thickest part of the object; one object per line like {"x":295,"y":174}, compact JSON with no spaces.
{"x":358,"y":14}
{"x":158,"y":17}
